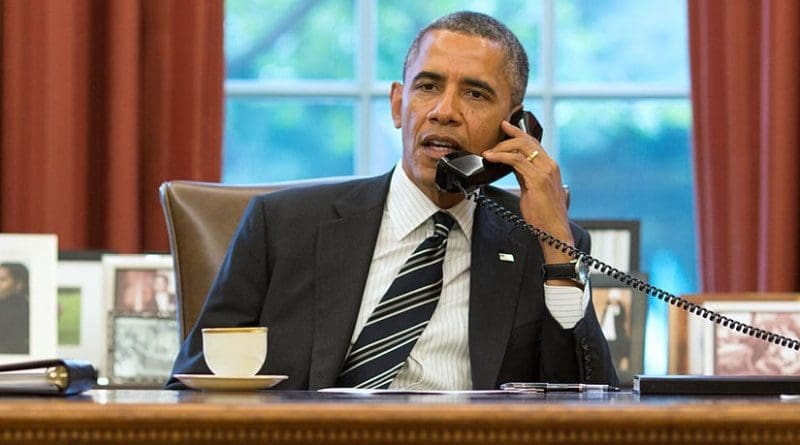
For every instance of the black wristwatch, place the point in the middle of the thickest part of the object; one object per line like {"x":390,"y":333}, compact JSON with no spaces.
{"x":575,"y":270}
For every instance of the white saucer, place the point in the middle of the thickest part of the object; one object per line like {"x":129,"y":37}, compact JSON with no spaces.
{"x":213,"y":382}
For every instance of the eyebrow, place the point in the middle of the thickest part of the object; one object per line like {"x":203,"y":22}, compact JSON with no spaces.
{"x":480,"y":84}
{"x":428,"y":75}
{"x":470,"y":81}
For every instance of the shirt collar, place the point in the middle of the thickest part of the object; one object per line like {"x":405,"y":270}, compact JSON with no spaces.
{"x":408,"y":206}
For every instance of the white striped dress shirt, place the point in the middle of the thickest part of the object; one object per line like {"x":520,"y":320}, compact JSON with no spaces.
{"x":440,"y":358}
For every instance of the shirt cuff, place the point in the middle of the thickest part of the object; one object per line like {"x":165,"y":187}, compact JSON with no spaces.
{"x":567,"y":304}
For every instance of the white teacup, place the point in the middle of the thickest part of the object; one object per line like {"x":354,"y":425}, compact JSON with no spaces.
{"x":235,"y":352}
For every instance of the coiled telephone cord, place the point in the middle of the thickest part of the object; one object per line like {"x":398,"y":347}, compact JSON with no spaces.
{"x":631,"y":281}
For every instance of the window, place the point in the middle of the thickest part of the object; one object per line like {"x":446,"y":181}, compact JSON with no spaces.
{"x":307,"y":96}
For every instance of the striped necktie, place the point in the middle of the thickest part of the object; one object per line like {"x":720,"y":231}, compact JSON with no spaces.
{"x":402,"y":314}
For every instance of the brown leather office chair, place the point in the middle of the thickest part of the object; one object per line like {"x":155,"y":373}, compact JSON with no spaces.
{"x":201,"y":219}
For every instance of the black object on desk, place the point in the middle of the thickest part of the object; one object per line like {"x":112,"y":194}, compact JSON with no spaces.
{"x":715,"y":385}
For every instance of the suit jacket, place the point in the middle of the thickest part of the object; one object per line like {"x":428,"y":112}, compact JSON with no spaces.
{"x":298,"y":264}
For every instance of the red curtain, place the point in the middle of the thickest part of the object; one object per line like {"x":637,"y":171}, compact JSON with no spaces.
{"x":101,"y":102}
{"x":745,"y":67}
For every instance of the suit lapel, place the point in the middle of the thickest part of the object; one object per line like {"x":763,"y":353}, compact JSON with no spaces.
{"x":494,"y":291}
{"x":343,"y":257}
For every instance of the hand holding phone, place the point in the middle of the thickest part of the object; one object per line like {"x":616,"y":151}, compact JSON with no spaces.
{"x":463,"y":171}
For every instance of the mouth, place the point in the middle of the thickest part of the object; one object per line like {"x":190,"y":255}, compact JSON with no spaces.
{"x":437,"y":146}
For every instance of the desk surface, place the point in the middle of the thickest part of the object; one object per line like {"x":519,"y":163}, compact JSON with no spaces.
{"x":147,"y":416}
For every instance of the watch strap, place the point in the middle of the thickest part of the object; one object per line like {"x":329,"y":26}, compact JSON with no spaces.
{"x":559,"y":271}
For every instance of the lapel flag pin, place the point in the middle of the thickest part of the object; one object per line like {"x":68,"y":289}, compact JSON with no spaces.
{"x":507,"y":257}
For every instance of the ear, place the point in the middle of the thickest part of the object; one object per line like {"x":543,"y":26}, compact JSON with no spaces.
{"x":396,"y":99}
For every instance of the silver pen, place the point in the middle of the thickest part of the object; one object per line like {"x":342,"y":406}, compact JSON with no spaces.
{"x":553,"y":387}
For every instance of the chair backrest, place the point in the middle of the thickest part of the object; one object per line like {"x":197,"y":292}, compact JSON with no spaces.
{"x":201,"y":219}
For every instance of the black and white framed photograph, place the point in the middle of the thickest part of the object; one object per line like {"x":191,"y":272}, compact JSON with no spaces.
{"x":621,"y":311}
{"x":27,"y":296}
{"x":140,"y":284}
{"x":141,"y":349}
{"x":82,"y":310}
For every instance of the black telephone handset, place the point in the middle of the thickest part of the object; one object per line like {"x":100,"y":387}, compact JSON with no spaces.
{"x":464,"y":171}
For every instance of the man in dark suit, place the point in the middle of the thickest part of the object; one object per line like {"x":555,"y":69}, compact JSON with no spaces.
{"x":314,"y":264}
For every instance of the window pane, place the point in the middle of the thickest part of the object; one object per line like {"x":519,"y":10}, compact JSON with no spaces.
{"x":290,"y":39}
{"x":622,"y":41}
{"x":386,"y":145}
{"x":632,"y":160}
{"x":399,"y":22}
{"x":275,"y":140}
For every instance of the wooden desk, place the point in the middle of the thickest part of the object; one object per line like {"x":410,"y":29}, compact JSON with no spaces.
{"x":150,"y":417}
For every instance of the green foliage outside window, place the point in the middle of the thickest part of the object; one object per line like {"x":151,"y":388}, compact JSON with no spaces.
{"x":290,"y":39}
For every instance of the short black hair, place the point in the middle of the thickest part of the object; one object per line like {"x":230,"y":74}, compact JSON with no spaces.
{"x":487,"y":27}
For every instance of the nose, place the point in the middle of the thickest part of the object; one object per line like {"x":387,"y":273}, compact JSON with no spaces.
{"x":446,"y":109}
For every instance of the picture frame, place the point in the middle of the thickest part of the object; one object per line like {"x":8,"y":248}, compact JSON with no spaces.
{"x":140,"y":284}
{"x":728,"y":352}
{"x":687,"y":345}
{"x":28,"y":296}
{"x":141,"y":349}
{"x":615,"y":242}
{"x":82,"y":309}
{"x":142,"y":327}
{"x":622,"y":312}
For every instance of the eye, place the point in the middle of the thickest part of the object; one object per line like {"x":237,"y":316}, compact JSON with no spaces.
{"x":476,"y":95}
{"x":426,"y":86}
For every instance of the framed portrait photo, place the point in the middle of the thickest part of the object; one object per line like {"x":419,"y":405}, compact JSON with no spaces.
{"x":621,"y":312}
{"x":141,"y":349}
{"x":82,"y":310}
{"x":699,"y":346}
{"x":141,"y":285}
{"x":27,"y":297}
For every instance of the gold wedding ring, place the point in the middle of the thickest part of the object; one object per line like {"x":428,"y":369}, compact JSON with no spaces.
{"x":532,"y":156}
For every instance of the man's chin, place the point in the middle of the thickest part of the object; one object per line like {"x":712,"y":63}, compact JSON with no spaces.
{"x":429,"y":179}
{"x":440,"y":197}
{"x":424,"y":177}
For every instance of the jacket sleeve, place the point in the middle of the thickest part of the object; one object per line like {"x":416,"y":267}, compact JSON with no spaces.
{"x":582,"y":351}
{"x":595,"y":364}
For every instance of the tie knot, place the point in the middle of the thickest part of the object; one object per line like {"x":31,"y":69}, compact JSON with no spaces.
{"x":443,"y":222}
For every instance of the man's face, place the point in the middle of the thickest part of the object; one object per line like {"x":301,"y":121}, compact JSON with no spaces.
{"x":454,"y":97}
{"x":8,"y":285}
